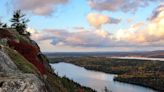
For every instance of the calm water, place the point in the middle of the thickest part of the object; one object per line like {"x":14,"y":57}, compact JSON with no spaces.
{"x":95,"y":80}
{"x":140,"y":58}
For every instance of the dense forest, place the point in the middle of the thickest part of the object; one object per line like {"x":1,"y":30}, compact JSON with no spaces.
{"x":141,"y":72}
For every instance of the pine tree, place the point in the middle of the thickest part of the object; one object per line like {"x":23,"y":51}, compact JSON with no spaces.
{"x":4,"y":25}
{"x":1,"y":24}
{"x":106,"y":89}
{"x":19,"y":22}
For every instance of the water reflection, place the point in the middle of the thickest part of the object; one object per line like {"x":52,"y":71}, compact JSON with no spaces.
{"x":95,"y":80}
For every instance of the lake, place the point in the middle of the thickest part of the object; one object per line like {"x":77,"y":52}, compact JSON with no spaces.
{"x":95,"y":80}
{"x":140,"y":58}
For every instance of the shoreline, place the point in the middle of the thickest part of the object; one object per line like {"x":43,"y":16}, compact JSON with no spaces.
{"x":135,"y":83}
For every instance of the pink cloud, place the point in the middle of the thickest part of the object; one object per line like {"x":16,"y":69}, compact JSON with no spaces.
{"x":119,"y":5}
{"x":97,"y":20}
{"x":39,"y":7}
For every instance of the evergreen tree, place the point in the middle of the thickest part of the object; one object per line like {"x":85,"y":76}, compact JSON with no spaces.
{"x":1,"y":24}
{"x":4,"y":25}
{"x":106,"y":89}
{"x":19,"y":22}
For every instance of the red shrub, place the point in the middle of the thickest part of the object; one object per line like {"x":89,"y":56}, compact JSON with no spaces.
{"x":81,"y":90}
{"x":5,"y":34}
{"x":29,"y":52}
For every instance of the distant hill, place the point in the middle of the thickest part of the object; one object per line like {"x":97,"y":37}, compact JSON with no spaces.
{"x":152,"y":54}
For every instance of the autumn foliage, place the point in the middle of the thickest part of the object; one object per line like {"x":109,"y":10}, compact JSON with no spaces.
{"x":5,"y":34}
{"x":29,"y":52}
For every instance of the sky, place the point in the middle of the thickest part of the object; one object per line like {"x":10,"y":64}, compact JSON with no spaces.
{"x":91,"y":25}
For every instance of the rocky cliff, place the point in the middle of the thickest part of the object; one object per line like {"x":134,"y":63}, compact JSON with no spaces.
{"x":14,"y":80}
{"x":17,"y":74}
{"x":23,"y":68}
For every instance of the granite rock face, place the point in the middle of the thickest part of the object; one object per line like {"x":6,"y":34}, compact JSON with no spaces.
{"x":7,"y":66}
{"x":21,"y":83}
{"x":13,"y":80}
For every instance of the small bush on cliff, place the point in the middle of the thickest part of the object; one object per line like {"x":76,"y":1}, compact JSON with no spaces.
{"x":3,"y":25}
{"x":5,"y":34}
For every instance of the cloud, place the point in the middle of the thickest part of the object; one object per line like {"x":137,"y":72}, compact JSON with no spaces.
{"x":31,"y":30}
{"x":119,"y":5}
{"x":83,"y":38}
{"x":149,"y":34}
{"x":97,"y":20}
{"x":157,"y":11}
{"x":130,"y":20}
{"x":39,"y":7}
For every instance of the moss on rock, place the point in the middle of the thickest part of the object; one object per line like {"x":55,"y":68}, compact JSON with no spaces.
{"x":23,"y":64}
